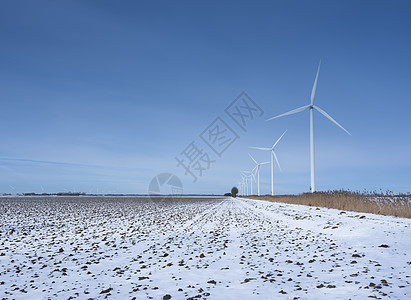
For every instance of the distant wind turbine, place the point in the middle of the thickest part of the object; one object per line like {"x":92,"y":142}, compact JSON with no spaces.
{"x":273,"y":155}
{"x":240,"y":187}
{"x":311,"y":106}
{"x":251,"y":179}
{"x":257,"y":170}
{"x":243,"y":186}
{"x":245,"y":180}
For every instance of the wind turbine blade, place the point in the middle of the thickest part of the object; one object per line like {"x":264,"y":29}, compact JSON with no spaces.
{"x":260,"y":148}
{"x":315,"y":84}
{"x":252,"y":175}
{"x":264,"y":163}
{"x":253,"y":159}
{"x":330,"y":118}
{"x":276,"y":159}
{"x":278,"y":140}
{"x":294,"y":111}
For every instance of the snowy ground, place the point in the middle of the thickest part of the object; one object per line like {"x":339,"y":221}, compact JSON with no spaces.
{"x":214,"y":248}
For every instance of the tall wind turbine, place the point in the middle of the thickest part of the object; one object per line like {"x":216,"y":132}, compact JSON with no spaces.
{"x":311,"y":106}
{"x":273,"y":155}
{"x":257,"y":170}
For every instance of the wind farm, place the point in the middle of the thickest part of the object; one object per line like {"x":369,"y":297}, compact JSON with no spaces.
{"x":311,"y":107}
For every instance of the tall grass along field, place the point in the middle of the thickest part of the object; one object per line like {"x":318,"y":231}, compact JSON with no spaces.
{"x":386,"y":203}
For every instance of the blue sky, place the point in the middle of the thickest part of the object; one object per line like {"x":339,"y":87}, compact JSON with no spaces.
{"x":100,"y":96}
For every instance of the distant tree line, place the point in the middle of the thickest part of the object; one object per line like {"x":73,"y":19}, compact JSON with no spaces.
{"x":56,"y":194}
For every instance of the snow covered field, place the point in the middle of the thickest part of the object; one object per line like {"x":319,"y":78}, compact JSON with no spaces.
{"x":214,"y":248}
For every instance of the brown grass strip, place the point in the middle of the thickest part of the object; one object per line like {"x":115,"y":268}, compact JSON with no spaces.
{"x":387,"y":203}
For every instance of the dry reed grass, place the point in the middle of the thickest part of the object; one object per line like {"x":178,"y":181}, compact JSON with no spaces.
{"x":386,"y":203}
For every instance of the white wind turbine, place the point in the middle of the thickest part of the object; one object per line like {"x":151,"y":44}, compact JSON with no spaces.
{"x":239,"y":187}
{"x":251,"y":179}
{"x":257,"y":170}
{"x":240,"y":184}
{"x":273,"y":155}
{"x":245,"y":180}
{"x":242,"y":187}
{"x":311,"y":106}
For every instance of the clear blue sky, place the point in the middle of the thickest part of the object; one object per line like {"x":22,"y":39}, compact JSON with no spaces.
{"x":102,"y":95}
